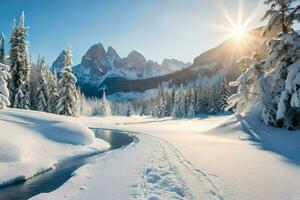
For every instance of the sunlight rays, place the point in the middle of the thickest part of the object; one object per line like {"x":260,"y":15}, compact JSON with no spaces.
{"x":236,"y":25}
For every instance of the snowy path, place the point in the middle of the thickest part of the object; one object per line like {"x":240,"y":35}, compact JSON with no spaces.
{"x":151,"y":169}
{"x":168,"y":175}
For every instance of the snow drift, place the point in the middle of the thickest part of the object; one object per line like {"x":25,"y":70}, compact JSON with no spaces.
{"x":32,"y":142}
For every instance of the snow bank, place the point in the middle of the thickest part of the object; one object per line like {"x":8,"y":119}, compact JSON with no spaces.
{"x":32,"y":142}
{"x":69,"y":133}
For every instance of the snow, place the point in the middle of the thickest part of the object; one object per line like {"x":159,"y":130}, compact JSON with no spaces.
{"x":212,"y":157}
{"x":32,"y":142}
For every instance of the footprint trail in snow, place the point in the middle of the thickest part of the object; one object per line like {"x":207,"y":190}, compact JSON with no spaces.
{"x":168,"y":175}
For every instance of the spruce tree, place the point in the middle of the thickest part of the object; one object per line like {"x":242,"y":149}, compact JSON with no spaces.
{"x":104,"y":109}
{"x":199,"y":107}
{"x":281,"y":67}
{"x":20,"y":65}
{"x":2,"y":49}
{"x":275,"y":78}
{"x":223,"y":102}
{"x":161,"y":102}
{"x":4,"y":92}
{"x":53,"y":96}
{"x":68,"y":97}
{"x":190,"y":104}
{"x":42,"y":89}
{"x":128,"y":111}
{"x":179,"y":104}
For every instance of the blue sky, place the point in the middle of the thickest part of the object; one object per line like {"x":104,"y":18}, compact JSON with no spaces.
{"x":180,"y":29}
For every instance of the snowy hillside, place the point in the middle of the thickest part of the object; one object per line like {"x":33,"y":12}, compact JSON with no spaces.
{"x":32,"y":142}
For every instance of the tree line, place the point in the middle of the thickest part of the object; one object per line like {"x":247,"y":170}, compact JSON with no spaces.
{"x":28,"y":85}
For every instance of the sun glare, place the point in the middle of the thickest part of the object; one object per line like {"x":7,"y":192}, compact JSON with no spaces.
{"x":238,"y":32}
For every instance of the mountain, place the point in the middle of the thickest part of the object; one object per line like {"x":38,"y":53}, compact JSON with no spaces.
{"x":97,"y":65}
{"x":172,"y":65}
{"x":218,"y":60}
{"x":58,"y":63}
{"x":136,"y":74}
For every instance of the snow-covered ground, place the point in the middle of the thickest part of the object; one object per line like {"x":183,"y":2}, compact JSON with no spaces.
{"x":220,"y":157}
{"x":32,"y":142}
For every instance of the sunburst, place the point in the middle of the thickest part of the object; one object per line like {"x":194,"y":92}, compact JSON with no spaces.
{"x":238,"y":26}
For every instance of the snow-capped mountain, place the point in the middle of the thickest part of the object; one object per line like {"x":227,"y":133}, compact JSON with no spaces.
{"x":219,"y":60}
{"x":172,"y":65}
{"x":98,"y":64}
{"x":58,"y":63}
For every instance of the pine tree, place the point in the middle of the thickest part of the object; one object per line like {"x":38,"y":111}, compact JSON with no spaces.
{"x":274,"y":79}
{"x":245,"y":82}
{"x":214,"y":99}
{"x":206,"y":98}
{"x":104,"y":106}
{"x":53,"y":96}
{"x":143,"y":109}
{"x":2,"y":49}
{"x":281,"y":68}
{"x":199,"y":103}
{"x":190,"y":104}
{"x":68,"y":97}
{"x":4,"y":92}
{"x":128,"y":111}
{"x":161,"y":102}
{"x":19,"y":84}
{"x":179,"y":104}
{"x":223,"y":102}
{"x":42,"y":89}
{"x":282,"y":13}
{"x":170,"y":99}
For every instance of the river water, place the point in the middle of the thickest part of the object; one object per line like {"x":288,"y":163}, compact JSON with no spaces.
{"x":53,"y":179}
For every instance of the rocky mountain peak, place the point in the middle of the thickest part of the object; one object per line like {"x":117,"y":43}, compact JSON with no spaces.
{"x":96,"y":60}
{"x":135,"y":59}
{"x":59,"y":62}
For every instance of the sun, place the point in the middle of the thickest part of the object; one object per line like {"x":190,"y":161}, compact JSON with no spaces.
{"x":238,"y":32}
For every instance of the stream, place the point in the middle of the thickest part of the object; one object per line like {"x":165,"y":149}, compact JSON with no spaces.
{"x":53,"y":179}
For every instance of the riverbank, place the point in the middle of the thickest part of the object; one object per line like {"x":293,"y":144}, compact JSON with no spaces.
{"x":32,"y":142}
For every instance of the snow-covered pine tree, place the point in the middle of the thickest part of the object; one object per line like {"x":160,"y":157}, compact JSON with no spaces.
{"x":170,"y":101}
{"x":68,"y":97}
{"x":281,"y":67}
{"x":42,"y":89}
{"x":34,"y":81}
{"x":53,"y":89}
{"x":206,"y":98}
{"x":19,"y":83}
{"x":190,"y":102}
{"x":214,"y":98}
{"x":223,"y":101}
{"x":276,"y":79}
{"x":179,"y":104}
{"x":4,"y":76}
{"x":199,"y":98}
{"x":4,"y":92}
{"x":128,"y":111}
{"x":160,"y":108}
{"x":2,"y":49}
{"x":241,"y":100}
{"x":104,"y":109}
